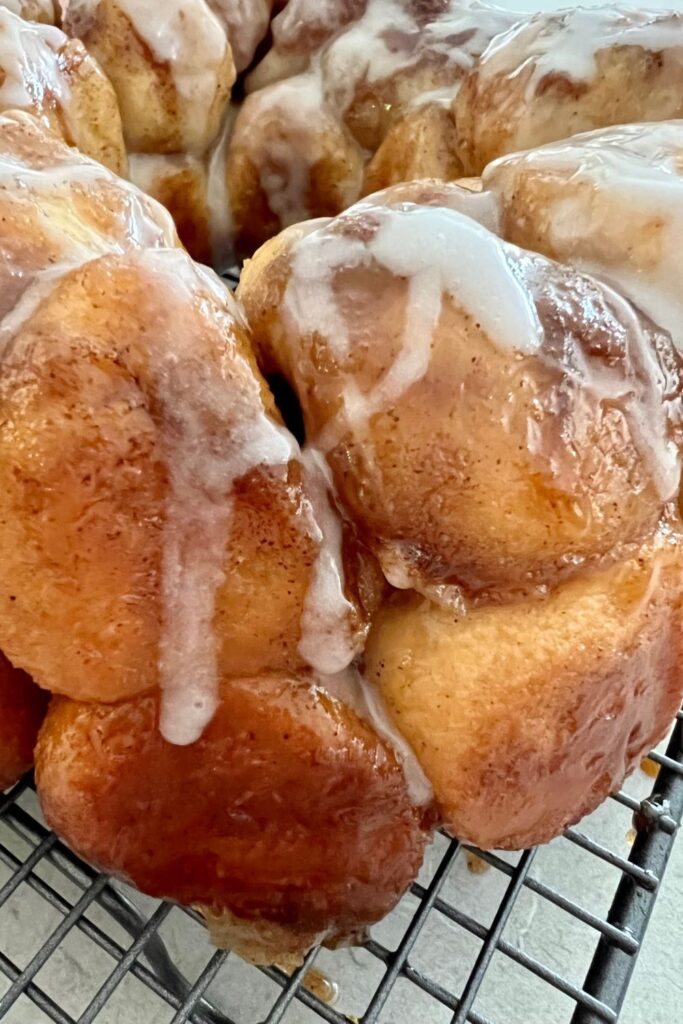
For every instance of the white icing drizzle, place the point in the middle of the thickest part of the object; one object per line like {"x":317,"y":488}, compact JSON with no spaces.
{"x":309,"y":297}
{"x":188,"y":37}
{"x":389,"y":39}
{"x":646,"y":412}
{"x":218,"y":200}
{"x":48,"y":191}
{"x":637,"y":168}
{"x":566,"y":43}
{"x":29,"y":59}
{"x":202,"y":471}
{"x":354,"y":690}
{"x":327,"y":643}
{"x":438,"y":251}
{"x":287,"y":156}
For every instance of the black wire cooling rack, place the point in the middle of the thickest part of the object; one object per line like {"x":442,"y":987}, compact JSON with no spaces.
{"x":131,"y":934}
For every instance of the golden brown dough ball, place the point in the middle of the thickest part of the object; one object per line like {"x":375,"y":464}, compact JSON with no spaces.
{"x":495,"y":445}
{"x":146,"y":481}
{"x":47,"y":74}
{"x":557,"y":74}
{"x":22,"y":708}
{"x":524,"y":717}
{"x":609,"y":202}
{"x":421,"y":145}
{"x":288,"y":822}
{"x":57,"y":208}
{"x":170,"y":65}
{"x":288,"y":159}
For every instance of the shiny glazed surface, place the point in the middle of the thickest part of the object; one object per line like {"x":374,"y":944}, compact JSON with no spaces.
{"x":288,"y":808}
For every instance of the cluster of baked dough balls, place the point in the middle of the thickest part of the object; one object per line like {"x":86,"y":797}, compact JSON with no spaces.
{"x":274,"y":669}
{"x":241,"y":125}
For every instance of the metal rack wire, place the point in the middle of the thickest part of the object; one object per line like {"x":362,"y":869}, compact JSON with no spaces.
{"x":91,"y":904}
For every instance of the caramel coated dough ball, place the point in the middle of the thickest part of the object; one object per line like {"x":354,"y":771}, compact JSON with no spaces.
{"x":288,"y":822}
{"x":170,"y":64}
{"x":152,"y":504}
{"x":22,"y":708}
{"x":477,"y":402}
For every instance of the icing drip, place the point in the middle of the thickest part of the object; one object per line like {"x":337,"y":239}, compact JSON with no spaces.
{"x":186,"y":35}
{"x":437,"y":250}
{"x":29,"y":60}
{"x":354,"y":690}
{"x":218,"y":196}
{"x":203,"y":465}
{"x":646,"y":412}
{"x":566,"y":43}
{"x":327,"y":642}
{"x":286,"y":162}
{"x":310,"y":299}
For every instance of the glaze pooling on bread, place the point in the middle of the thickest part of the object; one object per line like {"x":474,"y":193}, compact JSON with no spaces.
{"x":584,"y":184}
{"x":567,"y":43}
{"x":352,"y":688}
{"x":553,"y":75}
{"x":327,"y":643}
{"x":30,"y":60}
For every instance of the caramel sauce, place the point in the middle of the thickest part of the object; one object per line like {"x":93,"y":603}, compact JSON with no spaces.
{"x":475,"y":864}
{"x":321,"y":986}
{"x":650,"y":767}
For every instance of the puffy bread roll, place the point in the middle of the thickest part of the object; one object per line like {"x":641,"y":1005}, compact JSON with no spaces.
{"x":47,"y":74}
{"x":170,"y":64}
{"x":609,"y":202}
{"x":150,"y":496}
{"x":524,"y":717}
{"x":288,"y":822}
{"x":559,"y":73}
{"x":497,"y":445}
{"x":22,"y":707}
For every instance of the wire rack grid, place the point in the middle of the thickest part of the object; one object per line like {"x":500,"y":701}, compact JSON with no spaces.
{"x":130,"y":936}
